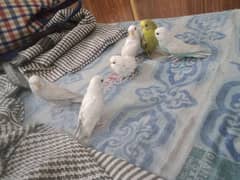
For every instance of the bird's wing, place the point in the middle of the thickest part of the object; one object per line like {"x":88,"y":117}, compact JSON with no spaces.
{"x":54,"y":92}
{"x":151,"y":41}
{"x":88,"y":101}
{"x":143,"y":42}
{"x":164,"y":49}
{"x":177,"y":46}
{"x":130,"y":48}
{"x":129,"y":61}
{"x":197,"y":54}
{"x":129,"y":65}
{"x":89,"y":115}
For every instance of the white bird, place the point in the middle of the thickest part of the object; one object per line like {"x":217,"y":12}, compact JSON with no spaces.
{"x":91,"y":109}
{"x":132,"y":44}
{"x":51,"y":92}
{"x":176,"y":47}
{"x":123,"y":65}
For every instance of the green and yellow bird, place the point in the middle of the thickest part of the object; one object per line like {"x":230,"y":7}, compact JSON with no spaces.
{"x":149,"y":41}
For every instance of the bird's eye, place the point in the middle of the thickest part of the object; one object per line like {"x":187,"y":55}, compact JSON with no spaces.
{"x":135,"y":28}
{"x":157,"y":33}
{"x":113,"y":62}
{"x":102,"y":80}
{"x":146,"y":25}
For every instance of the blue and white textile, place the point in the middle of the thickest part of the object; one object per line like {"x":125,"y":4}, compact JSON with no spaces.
{"x":179,"y":120}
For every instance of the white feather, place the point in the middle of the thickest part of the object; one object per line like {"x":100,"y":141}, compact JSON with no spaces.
{"x":51,"y":92}
{"x":123,"y":65}
{"x":132,"y":45}
{"x":91,"y":109}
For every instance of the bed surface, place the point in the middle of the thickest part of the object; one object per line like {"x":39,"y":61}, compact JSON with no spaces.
{"x":175,"y":119}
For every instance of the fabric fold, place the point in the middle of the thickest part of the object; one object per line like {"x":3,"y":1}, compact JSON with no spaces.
{"x":72,"y":50}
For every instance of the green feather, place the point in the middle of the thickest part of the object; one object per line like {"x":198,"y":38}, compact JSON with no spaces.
{"x":149,"y":41}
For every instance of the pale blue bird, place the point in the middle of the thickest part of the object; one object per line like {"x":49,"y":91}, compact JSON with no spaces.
{"x":176,"y":48}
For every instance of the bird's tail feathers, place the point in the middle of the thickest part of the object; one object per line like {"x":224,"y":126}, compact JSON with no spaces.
{"x":199,"y":54}
{"x":81,"y":134}
{"x":79,"y":129}
{"x":77,"y":99}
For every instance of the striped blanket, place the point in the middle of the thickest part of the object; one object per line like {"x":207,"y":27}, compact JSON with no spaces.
{"x":68,"y":51}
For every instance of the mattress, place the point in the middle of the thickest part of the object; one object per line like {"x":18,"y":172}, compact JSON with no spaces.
{"x":180,"y":120}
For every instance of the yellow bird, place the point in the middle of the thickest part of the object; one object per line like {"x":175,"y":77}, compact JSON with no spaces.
{"x":149,"y":41}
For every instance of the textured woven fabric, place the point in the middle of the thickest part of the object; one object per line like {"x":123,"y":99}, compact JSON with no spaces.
{"x":71,"y":50}
{"x":44,"y":153}
{"x":6,"y":88}
{"x":19,"y":19}
{"x":121,"y":169}
{"x":41,"y":152}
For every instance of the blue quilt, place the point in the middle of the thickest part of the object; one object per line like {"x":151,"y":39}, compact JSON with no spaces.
{"x":180,"y":120}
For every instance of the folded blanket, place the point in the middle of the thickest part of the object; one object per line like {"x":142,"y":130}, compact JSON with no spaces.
{"x":69,"y":51}
{"x":41,"y":152}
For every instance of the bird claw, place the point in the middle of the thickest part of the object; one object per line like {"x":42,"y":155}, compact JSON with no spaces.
{"x":100,"y":124}
{"x":174,"y":58}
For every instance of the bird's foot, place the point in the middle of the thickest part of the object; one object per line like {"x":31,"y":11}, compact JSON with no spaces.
{"x":147,"y":55}
{"x":131,"y":76}
{"x":100,"y":124}
{"x":140,"y":59}
{"x":134,"y":73}
{"x":174,"y":58}
{"x":155,"y":55}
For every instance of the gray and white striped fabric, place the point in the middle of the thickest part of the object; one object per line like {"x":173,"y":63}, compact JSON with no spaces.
{"x":121,"y":169}
{"x":41,"y":152}
{"x":69,"y":51}
{"x":6,"y":88}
